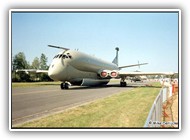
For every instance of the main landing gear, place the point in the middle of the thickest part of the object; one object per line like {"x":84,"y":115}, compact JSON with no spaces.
{"x":64,"y":85}
{"x":123,"y":83}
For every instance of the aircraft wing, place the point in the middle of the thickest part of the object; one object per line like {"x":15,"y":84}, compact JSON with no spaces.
{"x":132,"y":74}
{"x":132,"y":65}
{"x":32,"y":71}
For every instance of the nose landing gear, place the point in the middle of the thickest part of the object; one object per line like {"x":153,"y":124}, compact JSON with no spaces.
{"x":65,"y":85}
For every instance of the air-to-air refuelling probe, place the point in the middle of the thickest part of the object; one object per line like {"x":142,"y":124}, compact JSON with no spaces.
{"x":77,"y":68}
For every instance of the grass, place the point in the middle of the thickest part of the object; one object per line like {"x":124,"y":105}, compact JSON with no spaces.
{"x":126,"y":109}
{"x":33,"y":84}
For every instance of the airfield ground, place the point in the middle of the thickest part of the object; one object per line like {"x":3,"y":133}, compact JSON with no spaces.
{"x":125,"y":107}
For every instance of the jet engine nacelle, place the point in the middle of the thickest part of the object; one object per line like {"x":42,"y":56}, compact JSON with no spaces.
{"x":108,"y":73}
{"x":113,"y":74}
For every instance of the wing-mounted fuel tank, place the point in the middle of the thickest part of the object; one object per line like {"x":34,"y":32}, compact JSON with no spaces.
{"x":108,"y":73}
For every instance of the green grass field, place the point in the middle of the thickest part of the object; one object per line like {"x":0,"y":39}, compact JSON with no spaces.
{"x":126,"y":109}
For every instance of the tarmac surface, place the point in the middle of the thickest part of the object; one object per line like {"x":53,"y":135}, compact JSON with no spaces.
{"x":30,"y":103}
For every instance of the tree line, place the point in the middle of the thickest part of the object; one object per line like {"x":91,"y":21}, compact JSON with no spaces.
{"x":19,"y":62}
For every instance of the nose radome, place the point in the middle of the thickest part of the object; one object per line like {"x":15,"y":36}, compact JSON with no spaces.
{"x":57,"y":70}
{"x":51,"y":74}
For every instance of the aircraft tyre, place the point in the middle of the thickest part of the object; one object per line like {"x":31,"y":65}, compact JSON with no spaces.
{"x":123,"y":84}
{"x":64,"y":86}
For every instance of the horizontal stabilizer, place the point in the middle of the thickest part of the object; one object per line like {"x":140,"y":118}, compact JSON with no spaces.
{"x":58,"y":47}
{"x":132,"y":65}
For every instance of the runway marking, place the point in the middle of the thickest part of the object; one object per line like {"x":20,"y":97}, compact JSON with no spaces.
{"x":22,"y":93}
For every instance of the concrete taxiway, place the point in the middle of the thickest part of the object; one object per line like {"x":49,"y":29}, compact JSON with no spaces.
{"x":32,"y":102}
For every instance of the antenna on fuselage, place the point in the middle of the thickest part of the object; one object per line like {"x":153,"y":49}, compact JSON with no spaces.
{"x":58,"y":47}
{"x":115,"y":61}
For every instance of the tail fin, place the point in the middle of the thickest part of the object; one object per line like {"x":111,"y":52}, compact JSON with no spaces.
{"x":115,"y":61}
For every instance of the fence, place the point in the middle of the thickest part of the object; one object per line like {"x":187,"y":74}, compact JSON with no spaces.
{"x":155,"y":114}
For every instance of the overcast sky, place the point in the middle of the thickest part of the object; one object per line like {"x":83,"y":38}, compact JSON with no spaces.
{"x":145,"y":37}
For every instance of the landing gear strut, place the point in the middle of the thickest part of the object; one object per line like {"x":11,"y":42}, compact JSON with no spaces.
{"x":123,"y":83}
{"x":64,"y":86}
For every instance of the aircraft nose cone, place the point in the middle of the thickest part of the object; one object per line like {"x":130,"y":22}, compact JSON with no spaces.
{"x":57,"y":71}
{"x":51,"y":74}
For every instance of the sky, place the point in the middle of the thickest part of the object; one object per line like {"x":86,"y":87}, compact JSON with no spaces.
{"x":145,"y":37}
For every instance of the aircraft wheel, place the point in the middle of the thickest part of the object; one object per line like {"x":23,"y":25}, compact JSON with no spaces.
{"x":62,"y":86}
{"x":123,"y":84}
{"x":66,"y":86}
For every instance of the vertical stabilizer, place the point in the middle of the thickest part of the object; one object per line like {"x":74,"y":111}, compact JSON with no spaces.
{"x":115,"y":61}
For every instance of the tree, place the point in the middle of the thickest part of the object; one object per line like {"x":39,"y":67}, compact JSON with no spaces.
{"x":43,"y":66}
{"x":19,"y":62}
{"x":43,"y":61}
{"x":36,"y":63}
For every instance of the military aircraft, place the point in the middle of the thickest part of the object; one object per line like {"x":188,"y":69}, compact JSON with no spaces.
{"x":76,"y":68}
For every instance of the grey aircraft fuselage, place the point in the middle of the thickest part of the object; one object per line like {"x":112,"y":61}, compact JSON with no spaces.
{"x":78,"y":68}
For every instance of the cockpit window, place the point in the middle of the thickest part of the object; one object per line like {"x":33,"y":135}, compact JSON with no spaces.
{"x":55,"y":56}
{"x":63,"y":56}
{"x":60,"y":56}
